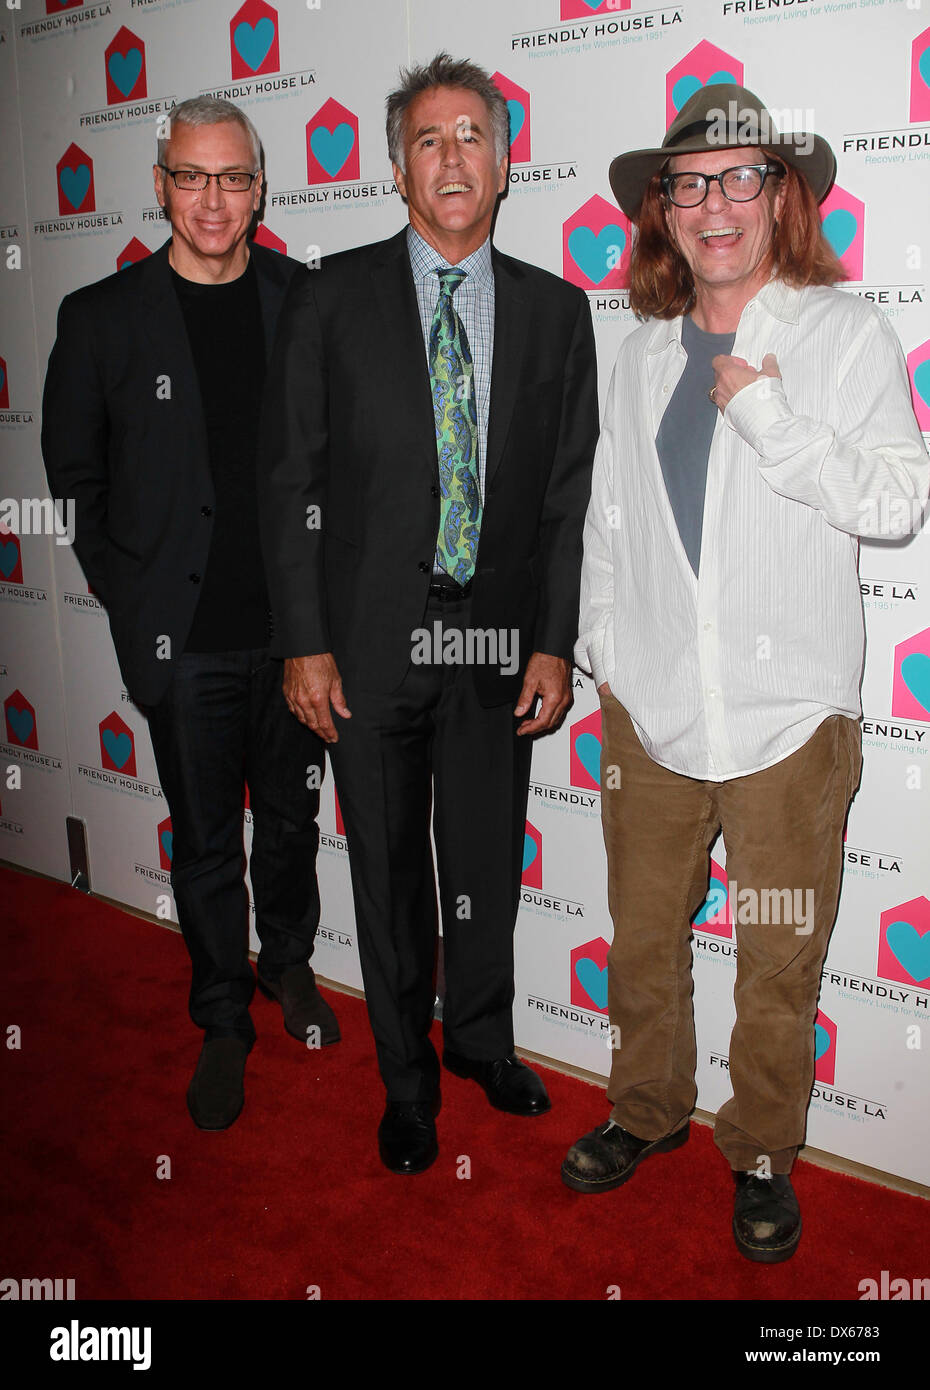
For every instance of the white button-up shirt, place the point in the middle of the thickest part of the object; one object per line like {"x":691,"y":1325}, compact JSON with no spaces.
{"x":730,"y":671}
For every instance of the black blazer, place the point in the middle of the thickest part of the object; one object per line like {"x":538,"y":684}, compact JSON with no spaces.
{"x":348,"y":427}
{"x":123,"y":434}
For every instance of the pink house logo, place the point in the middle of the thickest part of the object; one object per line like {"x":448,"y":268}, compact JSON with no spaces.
{"x":75,"y":178}
{"x":518,"y":110}
{"x":4,"y":386}
{"x":117,"y":746}
{"x":265,"y":237}
{"x":583,"y":9}
{"x":125,"y":67}
{"x":589,"y":975}
{"x":904,"y":943}
{"x":20,"y":721}
{"x":918,"y":365}
{"x":824,"y":1049}
{"x":704,"y":66}
{"x":332,"y":144}
{"x":585,"y":753}
{"x":532,"y":857}
{"x":843,"y":218}
{"x":11,"y":557}
{"x":910,"y":693}
{"x":713,"y":916}
{"x":596,"y":246}
{"x":165,"y":843}
{"x":132,"y":252}
{"x":253,"y":40}
{"x":920,"y":77}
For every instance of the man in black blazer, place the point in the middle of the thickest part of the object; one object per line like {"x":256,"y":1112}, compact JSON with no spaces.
{"x":428,"y":595}
{"x":150,"y":425}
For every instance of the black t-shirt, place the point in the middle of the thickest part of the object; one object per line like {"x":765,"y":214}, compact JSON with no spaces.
{"x":226,"y":335}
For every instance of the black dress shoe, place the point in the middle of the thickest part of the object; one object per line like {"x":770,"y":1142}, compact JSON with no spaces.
{"x":766,"y":1217}
{"x":303,"y":1004}
{"x":508,"y":1083}
{"x":609,"y":1155}
{"x":216,"y":1094}
{"x":407,"y":1136}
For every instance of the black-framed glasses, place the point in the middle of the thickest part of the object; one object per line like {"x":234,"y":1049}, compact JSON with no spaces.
{"x":196,"y":180}
{"x":740,"y":184}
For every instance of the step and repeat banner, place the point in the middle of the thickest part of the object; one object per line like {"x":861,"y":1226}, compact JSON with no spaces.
{"x":82,"y":87}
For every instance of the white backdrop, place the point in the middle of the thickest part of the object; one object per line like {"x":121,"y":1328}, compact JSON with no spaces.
{"x":81,"y":88}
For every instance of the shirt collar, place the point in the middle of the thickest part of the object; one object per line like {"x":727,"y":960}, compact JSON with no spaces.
{"x":425,"y":260}
{"x":779,"y":299}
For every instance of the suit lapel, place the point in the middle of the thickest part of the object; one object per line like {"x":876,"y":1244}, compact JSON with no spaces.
{"x":271,"y":288}
{"x":511,"y":318}
{"x":402,"y":350}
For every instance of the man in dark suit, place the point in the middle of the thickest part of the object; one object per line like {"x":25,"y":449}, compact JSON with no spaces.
{"x":433,"y":413}
{"x":150,"y":424}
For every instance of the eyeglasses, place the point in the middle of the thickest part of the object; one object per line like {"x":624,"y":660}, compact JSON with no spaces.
{"x":740,"y":184}
{"x":195,"y":180}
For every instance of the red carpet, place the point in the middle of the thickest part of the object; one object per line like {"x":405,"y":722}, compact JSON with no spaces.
{"x":294,"y":1195}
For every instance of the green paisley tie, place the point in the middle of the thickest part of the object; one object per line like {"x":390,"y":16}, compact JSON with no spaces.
{"x":452,"y":383}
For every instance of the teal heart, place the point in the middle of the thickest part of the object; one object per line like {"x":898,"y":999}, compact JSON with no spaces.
{"x":594,"y":4}
{"x":2,"y":378}
{"x":821,"y":1041}
{"x":687,"y":85}
{"x":331,"y":148}
{"x":588,"y":750}
{"x":517,"y":116}
{"x":922,"y":378}
{"x":21,"y":721}
{"x":118,"y":746}
{"x":910,"y":949}
{"x":593,"y":980}
{"x":714,"y":905}
{"x":590,"y":253}
{"x":124,"y":68}
{"x":167,"y":842}
{"x":123,"y":265}
{"x":253,"y":42}
{"x":840,"y":228}
{"x":530,"y":851}
{"x":923,"y":64}
{"x":75,"y":183}
{"x":9,"y":555}
{"x":915,"y":673}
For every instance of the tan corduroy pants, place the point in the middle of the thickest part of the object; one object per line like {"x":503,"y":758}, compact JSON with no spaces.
{"x":783,"y":831}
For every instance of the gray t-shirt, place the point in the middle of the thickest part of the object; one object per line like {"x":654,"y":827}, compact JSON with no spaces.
{"x":685,"y":432}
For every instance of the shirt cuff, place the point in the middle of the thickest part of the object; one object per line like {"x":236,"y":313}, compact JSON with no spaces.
{"x":756,"y":408}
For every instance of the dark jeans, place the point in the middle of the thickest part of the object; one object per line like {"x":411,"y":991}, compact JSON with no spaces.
{"x":222,"y":722}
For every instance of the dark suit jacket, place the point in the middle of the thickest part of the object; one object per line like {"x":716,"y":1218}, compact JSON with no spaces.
{"x":123,"y":434}
{"x":348,"y":427}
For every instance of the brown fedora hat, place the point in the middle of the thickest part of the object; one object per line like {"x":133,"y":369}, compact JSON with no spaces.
{"x":722,"y":116}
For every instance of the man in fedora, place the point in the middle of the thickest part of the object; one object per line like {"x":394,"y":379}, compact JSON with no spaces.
{"x":757,"y":423}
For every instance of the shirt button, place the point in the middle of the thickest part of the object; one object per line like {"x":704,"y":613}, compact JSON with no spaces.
{"x":194,"y":578}
{"x":434,"y":492}
{"x":708,"y":627}
{"x":712,"y":693}
{"x":665,"y":389}
{"x":206,"y":511}
{"x":423,"y":566}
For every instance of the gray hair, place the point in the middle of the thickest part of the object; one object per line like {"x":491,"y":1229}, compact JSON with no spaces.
{"x":445,"y":71}
{"x":210,"y":111}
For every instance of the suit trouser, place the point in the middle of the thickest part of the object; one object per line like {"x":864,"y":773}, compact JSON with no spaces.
{"x":431,"y":745}
{"x":223,"y":721}
{"x":783,"y":830}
